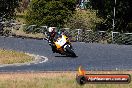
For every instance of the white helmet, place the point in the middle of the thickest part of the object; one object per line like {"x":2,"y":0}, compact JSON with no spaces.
{"x":50,"y":29}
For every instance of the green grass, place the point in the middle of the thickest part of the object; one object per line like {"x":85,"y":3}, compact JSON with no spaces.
{"x":49,"y":80}
{"x":10,"y":57}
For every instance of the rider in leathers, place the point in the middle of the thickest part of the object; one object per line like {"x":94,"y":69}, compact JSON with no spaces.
{"x":53,"y":35}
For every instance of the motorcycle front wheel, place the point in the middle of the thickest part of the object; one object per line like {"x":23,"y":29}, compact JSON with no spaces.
{"x":70,"y":52}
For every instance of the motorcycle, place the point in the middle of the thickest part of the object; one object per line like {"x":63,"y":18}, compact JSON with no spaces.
{"x":63,"y":46}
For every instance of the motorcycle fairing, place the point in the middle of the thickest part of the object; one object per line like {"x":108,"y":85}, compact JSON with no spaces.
{"x":61,"y":41}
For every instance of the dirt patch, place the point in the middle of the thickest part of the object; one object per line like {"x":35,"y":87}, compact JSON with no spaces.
{"x":11,"y":56}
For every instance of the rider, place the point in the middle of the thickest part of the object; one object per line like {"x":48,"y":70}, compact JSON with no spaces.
{"x":53,"y":35}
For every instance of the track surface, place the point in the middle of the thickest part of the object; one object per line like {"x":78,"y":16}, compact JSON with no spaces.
{"x":90,"y":56}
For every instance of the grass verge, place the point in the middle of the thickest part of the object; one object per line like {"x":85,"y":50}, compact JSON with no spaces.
{"x":10,"y":57}
{"x":51,"y":80}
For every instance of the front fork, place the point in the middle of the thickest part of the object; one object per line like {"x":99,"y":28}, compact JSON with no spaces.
{"x":69,"y":45}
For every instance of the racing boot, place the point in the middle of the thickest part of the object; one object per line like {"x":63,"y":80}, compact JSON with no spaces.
{"x":54,"y":48}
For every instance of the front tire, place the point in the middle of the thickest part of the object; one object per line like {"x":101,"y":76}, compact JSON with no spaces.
{"x":70,"y":52}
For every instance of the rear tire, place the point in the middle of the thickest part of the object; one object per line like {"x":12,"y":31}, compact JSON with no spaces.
{"x":70,"y":52}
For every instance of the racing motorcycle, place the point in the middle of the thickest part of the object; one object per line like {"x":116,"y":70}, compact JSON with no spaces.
{"x":63,"y":46}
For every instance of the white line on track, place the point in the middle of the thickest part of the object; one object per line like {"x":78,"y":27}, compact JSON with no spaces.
{"x":38,"y":60}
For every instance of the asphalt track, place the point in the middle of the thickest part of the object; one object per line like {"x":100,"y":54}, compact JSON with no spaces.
{"x":91,"y":56}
